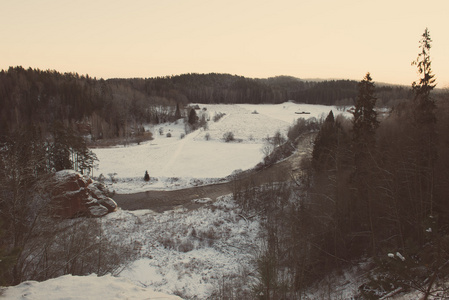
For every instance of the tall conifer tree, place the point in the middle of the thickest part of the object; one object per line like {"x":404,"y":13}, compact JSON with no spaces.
{"x":425,"y":136}
{"x":365,"y":120}
{"x":425,"y":105}
{"x":325,"y":143}
{"x":365,"y":124}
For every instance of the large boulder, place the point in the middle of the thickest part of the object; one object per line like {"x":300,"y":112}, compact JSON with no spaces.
{"x":73,"y":195}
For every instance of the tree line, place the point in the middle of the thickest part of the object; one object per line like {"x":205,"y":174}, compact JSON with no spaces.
{"x":226,"y":88}
{"x":116,"y":107}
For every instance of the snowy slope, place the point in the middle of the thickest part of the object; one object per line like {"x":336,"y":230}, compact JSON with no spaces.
{"x":70,"y":287}
{"x":187,"y":252}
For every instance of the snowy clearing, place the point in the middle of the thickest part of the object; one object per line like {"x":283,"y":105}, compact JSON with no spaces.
{"x":175,"y":162}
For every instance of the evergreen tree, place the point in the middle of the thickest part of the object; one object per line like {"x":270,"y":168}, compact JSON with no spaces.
{"x":60,"y":149}
{"x":364,"y":140}
{"x":425,"y":105}
{"x":193,"y":118}
{"x":325,"y":143}
{"x":424,"y":135}
{"x":146,"y":177}
{"x":365,"y":120}
{"x":83,"y":159}
{"x":177,"y":112}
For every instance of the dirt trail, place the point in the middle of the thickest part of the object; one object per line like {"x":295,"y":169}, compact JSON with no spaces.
{"x":160,"y":201}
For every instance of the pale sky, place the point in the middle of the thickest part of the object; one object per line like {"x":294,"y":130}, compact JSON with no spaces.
{"x":254,"y":38}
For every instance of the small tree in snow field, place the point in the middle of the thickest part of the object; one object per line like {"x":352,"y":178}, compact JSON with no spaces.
{"x":147,"y":176}
{"x":193,"y":118}
{"x":228,"y":137}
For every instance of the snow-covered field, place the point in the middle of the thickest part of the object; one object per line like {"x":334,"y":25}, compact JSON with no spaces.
{"x":194,"y":157}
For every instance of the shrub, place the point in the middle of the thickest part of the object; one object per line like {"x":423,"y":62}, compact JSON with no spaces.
{"x":302,"y":126}
{"x":112,"y":177}
{"x":101,"y":178}
{"x":186,"y":246}
{"x":218,"y":116}
{"x":228,"y":137}
{"x":203,"y":122}
{"x":278,"y":139}
{"x":168,"y":134}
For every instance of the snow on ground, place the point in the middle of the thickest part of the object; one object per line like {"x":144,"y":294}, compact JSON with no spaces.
{"x":175,"y":162}
{"x":187,"y":253}
{"x":70,"y":287}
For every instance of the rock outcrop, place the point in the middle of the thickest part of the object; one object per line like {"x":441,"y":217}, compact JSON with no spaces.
{"x":73,"y":195}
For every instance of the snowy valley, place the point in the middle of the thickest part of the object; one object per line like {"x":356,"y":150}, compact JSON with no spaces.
{"x":195,"y":254}
{"x":210,"y":250}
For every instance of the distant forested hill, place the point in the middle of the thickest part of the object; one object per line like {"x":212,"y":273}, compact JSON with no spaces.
{"x":32,"y":96}
{"x":225,"y":88}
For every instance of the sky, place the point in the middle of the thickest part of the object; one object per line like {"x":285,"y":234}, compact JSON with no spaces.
{"x":324,"y":39}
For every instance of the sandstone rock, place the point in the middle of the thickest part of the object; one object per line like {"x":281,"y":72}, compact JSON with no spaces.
{"x":98,"y":211}
{"x":107,"y":202}
{"x":73,"y":195}
{"x":101,"y":198}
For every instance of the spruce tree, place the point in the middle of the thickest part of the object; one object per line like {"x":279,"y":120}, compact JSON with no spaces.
{"x":365,"y":120}
{"x":193,"y":117}
{"x":364,"y":124}
{"x":177,"y":112}
{"x":146,"y":177}
{"x":325,"y":143}
{"x":424,"y":123}
{"x":425,"y":105}
{"x":60,"y":150}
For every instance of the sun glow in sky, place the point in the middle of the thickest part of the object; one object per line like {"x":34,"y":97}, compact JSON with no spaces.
{"x":254,"y":38}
